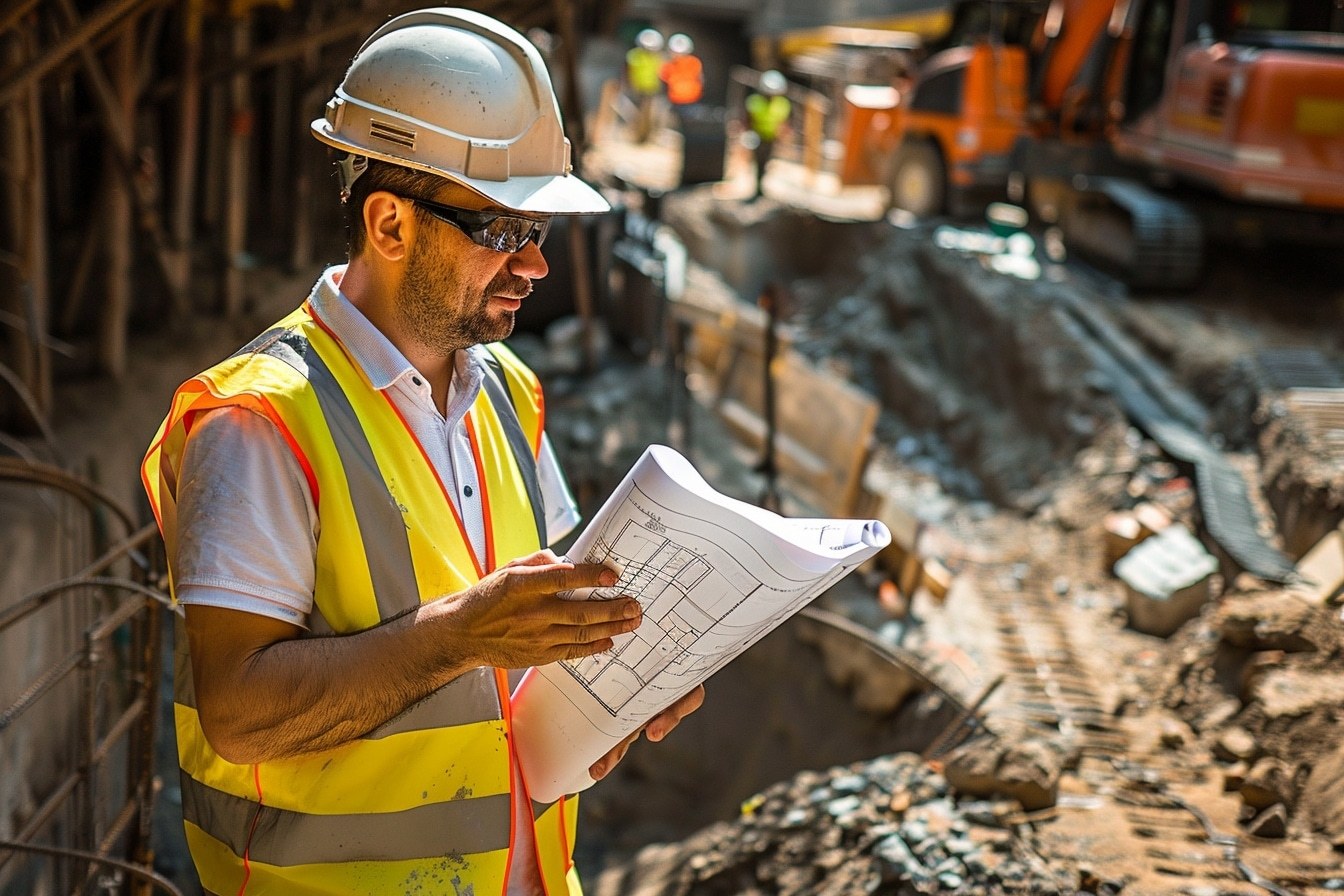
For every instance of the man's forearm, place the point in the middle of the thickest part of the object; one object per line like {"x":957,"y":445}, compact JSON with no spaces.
{"x":265,"y":693}
{"x":305,"y":695}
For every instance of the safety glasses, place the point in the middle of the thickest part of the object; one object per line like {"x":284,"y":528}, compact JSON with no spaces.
{"x":493,"y":230}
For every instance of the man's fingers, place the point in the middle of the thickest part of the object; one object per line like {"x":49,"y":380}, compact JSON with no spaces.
{"x":544,"y":557}
{"x":662,"y":724}
{"x":544,"y":577}
{"x":602,"y":767}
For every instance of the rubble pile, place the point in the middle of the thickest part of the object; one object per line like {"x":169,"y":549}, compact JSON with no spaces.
{"x":1261,"y":681}
{"x":889,"y":825}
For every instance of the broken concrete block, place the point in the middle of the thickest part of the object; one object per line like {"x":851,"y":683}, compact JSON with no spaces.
{"x":936,"y":578}
{"x":1152,"y":518}
{"x":1273,"y":620}
{"x":1268,"y":782}
{"x":1122,"y":534}
{"x":1254,"y":670}
{"x":1234,"y":743}
{"x":1234,"y":776}
{"x":1174,"y":733}
{"x":1027,"y":772}
{"x":1322,"y":569}
{"x":1167,"y":580}
{"x":1321,"y":802}
{"x":1271,"y":823}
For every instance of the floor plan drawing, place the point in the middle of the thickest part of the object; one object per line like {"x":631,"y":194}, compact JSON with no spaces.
{"x":690,"y":586}
{"x":712,"y":574}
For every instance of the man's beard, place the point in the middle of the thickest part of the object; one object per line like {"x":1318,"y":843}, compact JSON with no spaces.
{"x":442,"y":311}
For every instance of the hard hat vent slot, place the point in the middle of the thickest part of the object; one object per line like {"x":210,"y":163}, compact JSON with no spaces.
{"x":392,"y":133}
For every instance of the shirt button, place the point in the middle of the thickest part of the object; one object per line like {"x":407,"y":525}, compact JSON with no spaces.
{"x":466,"y":490}
{"x":416,"y":380}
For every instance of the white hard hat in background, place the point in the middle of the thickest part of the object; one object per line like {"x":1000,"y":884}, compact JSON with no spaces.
{"x":773,"y":83}
{"x":680,"y":44}
{"x":650,"y":39}
{"x":457,"y":93}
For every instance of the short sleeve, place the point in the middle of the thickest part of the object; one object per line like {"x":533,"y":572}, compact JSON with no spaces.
{"x":247,"y":526}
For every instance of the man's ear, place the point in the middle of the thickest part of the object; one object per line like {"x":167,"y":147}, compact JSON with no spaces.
{"x":389,"y":223}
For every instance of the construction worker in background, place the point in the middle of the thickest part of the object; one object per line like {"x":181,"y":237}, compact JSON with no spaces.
{"x":642,"y":64}
{"x":768,"y":114}
{"x":356,"y":504}
{"x":682,"y":72}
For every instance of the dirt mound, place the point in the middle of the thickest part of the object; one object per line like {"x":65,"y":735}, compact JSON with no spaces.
{"x":1260,"y":680}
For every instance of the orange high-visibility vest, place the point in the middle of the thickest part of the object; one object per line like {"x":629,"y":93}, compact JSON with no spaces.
{"x":423,"y":803}
{"x":684,"y":77}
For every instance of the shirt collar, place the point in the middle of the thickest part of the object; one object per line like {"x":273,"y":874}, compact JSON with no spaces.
{"x":383,"y":362}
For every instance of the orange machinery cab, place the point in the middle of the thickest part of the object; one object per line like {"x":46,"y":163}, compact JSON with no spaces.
{"x":1261,"y":122}
{"x":948,"y":132}
{"x":971,"y":102}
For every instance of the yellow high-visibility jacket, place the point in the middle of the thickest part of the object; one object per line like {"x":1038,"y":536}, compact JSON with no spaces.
{"x":421,"y":804}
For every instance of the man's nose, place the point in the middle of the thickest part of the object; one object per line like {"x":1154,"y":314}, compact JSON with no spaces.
{"x":529,"y":262}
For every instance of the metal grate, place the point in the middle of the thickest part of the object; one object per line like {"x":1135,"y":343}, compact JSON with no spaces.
{"x":1298,"y":368}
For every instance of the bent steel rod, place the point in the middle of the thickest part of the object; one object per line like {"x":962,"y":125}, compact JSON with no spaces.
{"x":147,"y":875}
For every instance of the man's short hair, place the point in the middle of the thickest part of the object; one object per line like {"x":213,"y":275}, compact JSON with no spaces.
{"x":383,"y":176}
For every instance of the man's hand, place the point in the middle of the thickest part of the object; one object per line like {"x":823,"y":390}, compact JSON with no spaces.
{"x":265,"y":693}
{"x":657,"y":728}
{"x":512,"y":619}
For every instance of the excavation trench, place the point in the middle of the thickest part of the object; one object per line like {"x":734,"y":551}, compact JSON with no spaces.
{"x":987,"y":385}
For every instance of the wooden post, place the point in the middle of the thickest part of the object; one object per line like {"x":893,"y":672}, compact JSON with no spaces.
{"x":120,"y":221}
{"x":188,"y":149}
{"x":311,"y":99}
{"x":814,"y":118}
{"x":24,"y":306}
{"x":39,"y":286}
{"x":279,"y":177}
{"x":235,"y":194}
{"x":135,"y":167}
{"x":573,"y":104}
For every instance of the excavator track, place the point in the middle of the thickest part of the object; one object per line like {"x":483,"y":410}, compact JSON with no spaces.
{"x":1151,"y":240}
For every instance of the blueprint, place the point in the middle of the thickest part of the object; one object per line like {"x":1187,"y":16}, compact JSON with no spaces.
{"x":713,"y":576}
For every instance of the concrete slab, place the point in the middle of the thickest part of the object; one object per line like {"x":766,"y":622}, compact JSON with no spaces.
{"x":1166,"y":579}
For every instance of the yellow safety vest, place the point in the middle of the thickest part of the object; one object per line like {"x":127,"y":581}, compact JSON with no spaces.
{"x":641,"y":68}
{"x":768,"y":114}
{"x":421,"y":804}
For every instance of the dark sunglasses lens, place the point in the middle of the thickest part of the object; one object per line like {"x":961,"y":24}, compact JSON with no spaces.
{"x":509,"y":234}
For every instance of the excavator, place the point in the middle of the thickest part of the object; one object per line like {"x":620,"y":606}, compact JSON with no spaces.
{"x":1141,"y":128}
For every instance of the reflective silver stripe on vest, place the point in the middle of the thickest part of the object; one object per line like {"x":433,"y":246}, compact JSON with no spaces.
{"x":502,"y":399}
{"x":470,"y":697}
{"x":282,"y":837}
{"x":381,"y":526}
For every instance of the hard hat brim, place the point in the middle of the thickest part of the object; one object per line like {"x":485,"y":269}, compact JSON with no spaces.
{"x":546,"y":194}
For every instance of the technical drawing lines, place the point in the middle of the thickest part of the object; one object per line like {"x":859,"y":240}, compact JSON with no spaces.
{"x":686,"y":600}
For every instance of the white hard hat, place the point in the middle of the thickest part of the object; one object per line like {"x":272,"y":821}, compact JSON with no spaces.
{"x":681,"y":44}
{"x":649,"y":39}
{"x":456,"y":93}
{"x":773,"y":83}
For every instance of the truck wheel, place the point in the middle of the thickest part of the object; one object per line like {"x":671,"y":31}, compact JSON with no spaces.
{"x":918,"y":179}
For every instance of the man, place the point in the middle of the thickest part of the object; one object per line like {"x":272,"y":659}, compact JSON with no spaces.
{"x":643,"y":62}
{"x":768,"y":113}
{"x":682,"y":72}
{"x":355,"y":506}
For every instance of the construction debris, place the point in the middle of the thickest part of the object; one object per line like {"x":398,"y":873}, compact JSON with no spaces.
{"x":1167,"y":580}
{"x":891,"y":825}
